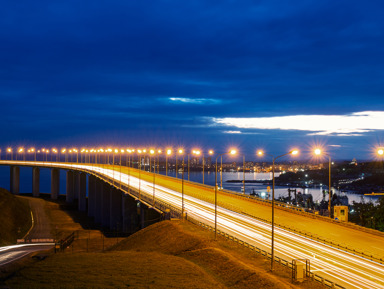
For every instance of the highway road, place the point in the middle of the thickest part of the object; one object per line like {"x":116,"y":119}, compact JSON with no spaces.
{"x":342,"y":267}
{"x":9,"y":254}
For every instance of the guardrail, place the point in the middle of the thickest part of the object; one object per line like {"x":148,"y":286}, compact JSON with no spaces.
{"x":64,"y":243}
{"x":176,"y":213}
{"x":264,"y":253}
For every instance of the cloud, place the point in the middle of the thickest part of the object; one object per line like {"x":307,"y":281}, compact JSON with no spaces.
{"x":354,"y":124}
{"x":232,"y":131}
{"x":195,"y":100}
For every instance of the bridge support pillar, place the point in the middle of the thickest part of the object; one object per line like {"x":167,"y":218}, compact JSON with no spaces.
{"x":15,"y":180}
{"x":142,"y":216}
{"x":70,"y":187}
{"x":36,"y":182}
{"x":129,"y":214}
{"x":115,"y":221}
{"x":91,"y":195}
{"x":55,"y":183}
{"x":76,"y":187}
{"x":82,"y":192}
{"x":98,"y":201}
{"x":105,"y":205}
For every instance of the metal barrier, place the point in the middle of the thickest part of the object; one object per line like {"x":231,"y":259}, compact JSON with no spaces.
{"x":262,"y":252}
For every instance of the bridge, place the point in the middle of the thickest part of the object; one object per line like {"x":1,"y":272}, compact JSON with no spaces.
{"x":340,"y":254}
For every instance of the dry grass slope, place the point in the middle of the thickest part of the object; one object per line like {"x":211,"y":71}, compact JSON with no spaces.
{"x":15,"y":218}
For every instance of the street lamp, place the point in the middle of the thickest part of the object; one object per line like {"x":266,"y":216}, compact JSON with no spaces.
{"x":139,"y":157}
{"x":32,"y":150}
{"x":210,"y":152}
{"x":194,"y":152}
{"x":158,"y":161}
{"x":169,"y":152}
{"x":231,"y":152}
{"x":152,"y":152}
{"x":21,"y":151}
{"x":54,"y":150}
{"x":243,"y":174}
{"x":9,"y":151}
{"x":181,"y":152}
{"x":261,"y":153}
{"x":318,"y":152}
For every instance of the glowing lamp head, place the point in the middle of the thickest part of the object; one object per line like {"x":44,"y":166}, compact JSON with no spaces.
{"x":9,"y":150}
{"x":317,"y":152}
{"x":139,"y":151}
{"x":152,"y":152}
{"x":169,"y":152}
{"x":232,"y":152}
{"x":159,"y":151}
{"x":260,"y":153}
{"x":380,"y":152}
{"x":294,"y":152}
{"x":197,"y":153}
{"x":180,"y":151}
{"x":210,"y":152}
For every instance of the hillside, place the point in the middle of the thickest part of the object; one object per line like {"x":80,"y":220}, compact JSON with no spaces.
{"x":15,"y":217}
{"x":169,"y":254}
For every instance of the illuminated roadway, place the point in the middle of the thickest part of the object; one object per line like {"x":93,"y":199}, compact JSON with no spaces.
{"x":9,"y":254}
{"x":341,"y":267}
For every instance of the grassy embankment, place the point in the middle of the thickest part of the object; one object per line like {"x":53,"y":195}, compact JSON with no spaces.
{"x":169,"y":254}
{"x":15,"y":218}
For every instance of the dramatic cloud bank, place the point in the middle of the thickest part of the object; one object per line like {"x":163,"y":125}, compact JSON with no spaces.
{"x":341,"y":125}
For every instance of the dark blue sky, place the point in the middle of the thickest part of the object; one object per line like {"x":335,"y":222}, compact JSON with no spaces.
{"x":208,"y":74}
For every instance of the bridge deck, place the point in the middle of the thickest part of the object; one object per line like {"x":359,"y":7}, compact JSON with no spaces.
{"x":235,"y":218}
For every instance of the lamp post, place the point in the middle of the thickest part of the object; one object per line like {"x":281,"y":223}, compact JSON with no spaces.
{"x":194,"y":152}
{"x":319,"y":152}
{"x":260,"y":153}
{"x":139,"y":157}
{"x":152,"y":152}
{"x":210,"y":152}
{"x":232,"y":152}
{"x":9,"y":151}
{"x":169,"y":152}
{"x":121,"y":152}
{"x":243,"y":174}
{"x":181,"y":152}
{"x":33,"y":150}
{"x":158,"y":161}
{"x":21,"y":151}
{"x":54,"y":150}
